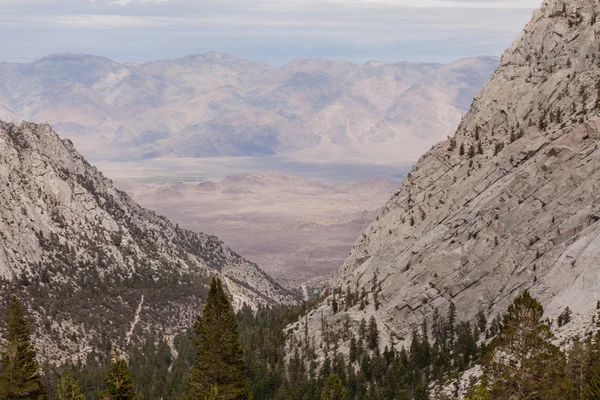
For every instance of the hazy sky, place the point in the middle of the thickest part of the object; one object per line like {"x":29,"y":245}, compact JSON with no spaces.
{"x":273,"y":31}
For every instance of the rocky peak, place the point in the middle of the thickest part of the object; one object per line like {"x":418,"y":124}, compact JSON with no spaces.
{"x":547,"y":78}
{"x":508,"y":203}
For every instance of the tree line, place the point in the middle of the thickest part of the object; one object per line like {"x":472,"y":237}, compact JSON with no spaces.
{"x":233,"y":357}
{"x":217,"y":372}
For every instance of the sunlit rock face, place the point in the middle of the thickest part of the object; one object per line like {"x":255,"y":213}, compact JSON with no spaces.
{"x":509,"y":203}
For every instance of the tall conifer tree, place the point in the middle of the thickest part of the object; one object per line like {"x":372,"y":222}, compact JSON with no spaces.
{"x":334,"y":390}
{"x":592,"y":388}
{"x":20,"y":373}
{"x":373,"y":333}
{"x":67,"y":388}
{"x":524,"y":364}
{"x":218,"y":363}
{"x":353,"y":351}
{"x":479,"y":392}
{"x":119,"y":384}
{"x":591,"y":384}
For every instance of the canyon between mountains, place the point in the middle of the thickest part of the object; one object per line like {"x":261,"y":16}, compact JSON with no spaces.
{"x":301,"y":157}
{"x":507,"y":203}
{"x":97,"y":269}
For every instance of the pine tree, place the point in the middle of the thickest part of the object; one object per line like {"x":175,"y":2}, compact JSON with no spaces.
{"x":360,"y":348}
{"x":481,"y":322}
{"x":465,"y":346}
{"x":353,"y":350}
{"x":479,"y":392}
{"x":498,"y":147}
{"x":119,"y":384}
{"x":373,"y":334}
{"x":67,"y":388}
{"x":362,"y":329}
{"x":591,"y":386}
{"x":20,"y":377}
{"x":349,"y":298}
{"x":218,"y":362}
{"x":452,"y":144}
{"x":523,"y":362}
{"x":437,"y":328}
{"x":564,"y":317}
{"x":334,"y":390}
{"x":471,"y":151}
{"x":578,"y":365}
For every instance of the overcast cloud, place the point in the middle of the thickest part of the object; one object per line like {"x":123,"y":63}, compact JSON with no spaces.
{"x":264,"y":30}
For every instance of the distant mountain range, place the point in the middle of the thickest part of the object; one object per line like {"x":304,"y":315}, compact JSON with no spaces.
{"x":215,"y":105}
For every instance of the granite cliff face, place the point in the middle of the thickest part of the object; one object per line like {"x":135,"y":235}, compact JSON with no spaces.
{"x":509,"y":203}
{"x":93,"y":267}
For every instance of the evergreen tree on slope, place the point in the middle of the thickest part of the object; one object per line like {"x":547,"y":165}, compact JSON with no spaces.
{"x":334,"y":390}
{"x":119,"y":384}
{"x":67,"y":388}
{"x":524,"y":364}
{"x":20,"y":373}
{"x":591,"y":389}
{"x":218,"y":363}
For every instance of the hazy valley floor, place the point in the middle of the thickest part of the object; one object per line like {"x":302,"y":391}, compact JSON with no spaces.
{"x":297,"y":220}
{"x":166,"y":170}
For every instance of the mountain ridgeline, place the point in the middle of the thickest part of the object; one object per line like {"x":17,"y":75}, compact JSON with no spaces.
{"x":509,"y":203}
{"x":94,"y":269}
{"x":215,"y":105}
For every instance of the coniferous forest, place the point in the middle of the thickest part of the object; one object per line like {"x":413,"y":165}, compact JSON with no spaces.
{"x":228,"y":356}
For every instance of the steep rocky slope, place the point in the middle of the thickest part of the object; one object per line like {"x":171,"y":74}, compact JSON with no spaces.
{"x":94,"y":268}
{"x":509,"y":203}
{"x":214,"y":105}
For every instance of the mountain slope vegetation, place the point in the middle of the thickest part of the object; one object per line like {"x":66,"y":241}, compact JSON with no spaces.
{"x":95,"y":269}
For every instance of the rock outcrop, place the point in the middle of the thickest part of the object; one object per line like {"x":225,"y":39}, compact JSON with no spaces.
{"x":94,"y":268}
{"x":509,"y":203}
